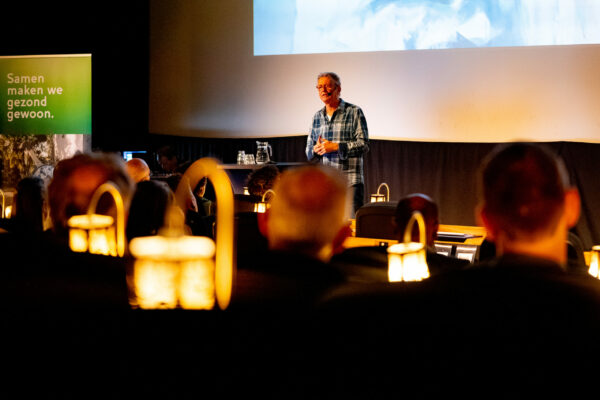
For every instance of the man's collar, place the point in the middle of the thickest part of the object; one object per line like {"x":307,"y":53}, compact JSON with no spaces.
{"x":340,"y":107}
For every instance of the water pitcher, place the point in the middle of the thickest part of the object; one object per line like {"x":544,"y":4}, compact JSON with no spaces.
{"x":264,"y":152}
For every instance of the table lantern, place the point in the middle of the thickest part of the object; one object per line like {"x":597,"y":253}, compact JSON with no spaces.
{"x":380,"y":197}
{"x":175,"y":270}
{"x":407,"y":261}
{"x":262,"y":205}
{"x":98,"y":234}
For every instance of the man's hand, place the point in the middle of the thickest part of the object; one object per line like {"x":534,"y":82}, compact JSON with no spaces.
{"x":324,"y":146}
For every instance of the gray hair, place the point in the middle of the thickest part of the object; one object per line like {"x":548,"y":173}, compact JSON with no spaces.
{"x":331,"y":75}
{"x":308,"y":209}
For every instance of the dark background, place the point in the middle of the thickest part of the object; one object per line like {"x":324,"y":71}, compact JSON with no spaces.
{"x":116,"y":34}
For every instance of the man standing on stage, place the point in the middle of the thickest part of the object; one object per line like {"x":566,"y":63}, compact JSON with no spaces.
{"x":339,"y":135}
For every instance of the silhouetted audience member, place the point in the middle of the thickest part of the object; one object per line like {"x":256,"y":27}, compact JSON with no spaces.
{"x":42,"y":273}
{"x":302,"y":227}
{"x":205,"y":205}
{"x":169,"y":162}
{"x":65,"y":313}
{"x":138,"y":169}
{"x":148,"y":208}
{"x":527,"y":294}
{"x":308,"y":222}
{"x":517,"y":324}
{"x":528,"y":205}
{"x":262,"y":179}
{"x":249,"y":238}
{"x":198,"y":224}
{"x":76,"y":179}
{"x":258,"y":182}
{"x":30,"y":207}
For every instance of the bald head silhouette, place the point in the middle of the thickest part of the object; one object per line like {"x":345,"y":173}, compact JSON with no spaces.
{"x":138,"y":170}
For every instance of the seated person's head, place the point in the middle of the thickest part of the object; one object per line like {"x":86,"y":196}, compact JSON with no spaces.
{"x":262,"y":179}
{"x":526,"y":199}
{"x":30,"y":204}
{"x":138,"y":170}
{"x":307,"y":213}
{"x":167,"y":159}
{"x":200,"y":188}
{"x":428,"y":209}
{"x":148,"y":208}
{"x":76,"y":179}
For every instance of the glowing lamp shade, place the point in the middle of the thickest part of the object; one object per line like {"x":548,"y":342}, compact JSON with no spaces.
{"x":262,"y":205}
{"x":408,"y":261}
{"x":93,"y":233}
{"x":96,"y":233}
{"x":7,"y":211}
{"x":173,"y":271}
{"x":380,"y":197}
{"x":375,"y":198}
{"x":595,"y":262}
{"x":176,"y":270}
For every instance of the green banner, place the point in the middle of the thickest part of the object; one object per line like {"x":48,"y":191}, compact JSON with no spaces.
{"x":49,"y":94}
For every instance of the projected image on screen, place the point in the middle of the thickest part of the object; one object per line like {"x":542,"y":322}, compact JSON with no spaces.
{"x":317,"y":26}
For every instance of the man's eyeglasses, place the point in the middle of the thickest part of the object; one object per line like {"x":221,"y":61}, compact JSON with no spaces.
{"x":328,"y":88}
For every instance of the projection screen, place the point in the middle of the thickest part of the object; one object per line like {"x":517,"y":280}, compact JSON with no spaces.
{"x":449,"y":71}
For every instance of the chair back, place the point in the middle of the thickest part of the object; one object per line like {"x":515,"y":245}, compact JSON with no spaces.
{"x":375,"y":220}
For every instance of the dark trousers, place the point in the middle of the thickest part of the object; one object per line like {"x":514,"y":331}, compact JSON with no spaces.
{"x":358,"y":197}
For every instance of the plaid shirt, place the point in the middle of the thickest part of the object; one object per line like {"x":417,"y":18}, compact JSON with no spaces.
{"x":348,"y":127}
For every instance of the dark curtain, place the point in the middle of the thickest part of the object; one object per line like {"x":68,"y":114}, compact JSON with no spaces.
{"x":445,"y":171}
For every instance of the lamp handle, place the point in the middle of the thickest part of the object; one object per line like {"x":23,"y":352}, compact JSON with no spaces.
{"x":265,"y":194}
{"x":224,"y":260}
{"x":118,"y":199}
{"x":387,"y":198}
{"x":416,"y":216}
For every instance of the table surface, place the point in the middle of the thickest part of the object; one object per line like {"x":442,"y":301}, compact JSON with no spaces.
{"x":257,"y":166}
{"x":477,"y":232}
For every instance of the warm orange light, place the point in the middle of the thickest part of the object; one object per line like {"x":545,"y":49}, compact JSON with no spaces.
{"x":595,"y":262}
{"x":175,"y":270}
{"x":89,"y":232}
{"x":379,"y":197}
{"x":115,"y":239}
{"x":261,"y":206}
{"x":408,"y":261}
{"x":375,"y":198}
{"x":95,"y":233}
